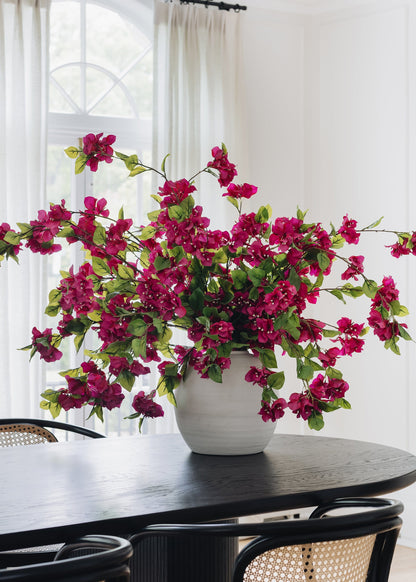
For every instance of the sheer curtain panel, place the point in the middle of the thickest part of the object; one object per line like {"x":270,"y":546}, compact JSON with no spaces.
{"x":23,"y":109}
{"x":199,"y":96}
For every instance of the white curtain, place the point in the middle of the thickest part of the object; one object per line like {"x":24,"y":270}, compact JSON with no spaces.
{"x":198,"y":104}
{"x":199,"y":96}
{"x":24,"y":28}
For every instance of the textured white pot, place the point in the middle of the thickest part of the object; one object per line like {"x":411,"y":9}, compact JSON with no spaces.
{"x":223,"y":419}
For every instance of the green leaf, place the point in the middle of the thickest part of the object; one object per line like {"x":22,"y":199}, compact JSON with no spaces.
{"x":65,"y":232}
{"x":342,"y":403}
{"x":138,"y":170}
{"x":161,"y":263}
{"x":404,"y":334}
{"x":403,"y":311}
{"x":374,"y":224}
{"x":233,"y":201}
{"x":80,"y":163}
{"x":352,"y":291}
{"x":256,"y":276}
{"x":99,"y":236}
{"x":131,"y":161}
{"x":395,"y":307}
{"x":300,"y":215}
{"x":370,"y":288}
{"x":52,"y":309}
{"x":315,"y":421}
{"x":137,"y":327}
{"x":304,"y":372}
{"x":171,"y":369}
{"x":72,"y":152}
{"x":263,"y":214}
{"x":76,"y":327}
{"x":220,"y":257}
{"x":293,"y":350}
{"x":125,"y":272}
{"x":337,"y":241}
{"x":153,"y":216}
{"x":196,"y":300}
{"x":25,"y":228}
{"x":55,"y":409}
{"x":126,"y":379}
{"x":333,"y":373}
{"x":294,"y":278}
{"x":171,"y":397}
{"x":176,"y":213}
{"x":167,"y":384}
{"x":215,"y":373}
{"x":78,"y":341}
{"x":253,"y":294}
{"x":337,"y":293}
{"x":330,"y":333}
{"x":315,"y":366}
{"x":163,"y":165}
{"x":139,"y":346}
{"x":54,"y":296}
{"x":276,"y":380}
{"x":177,"y":253}
{"x":44,"y":404}
{"x":205,"y":321}
{"x":100,"y":266}
{"x":50,"y":395}
{"x":392,"y":345}
{"x":72,"y":373}
{"x":148,"y":232}
{"x":165,"y":336}
{"x":239,"y":278}
{"x":268,"y":358}
{"x":12,"y":238}
{"x":323,"y":261}
{"x":187,"y":205}
{"x":98,"y":411}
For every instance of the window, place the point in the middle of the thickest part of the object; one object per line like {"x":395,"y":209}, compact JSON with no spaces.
{"x":101,"y":77}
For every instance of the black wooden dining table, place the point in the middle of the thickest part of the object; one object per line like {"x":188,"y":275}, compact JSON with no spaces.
{"x":116,"y":486}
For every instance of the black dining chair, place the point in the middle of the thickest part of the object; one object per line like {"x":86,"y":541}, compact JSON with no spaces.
{"x":31,"y":431}
{"x":356,"y":546}
{"x":103,"y":559}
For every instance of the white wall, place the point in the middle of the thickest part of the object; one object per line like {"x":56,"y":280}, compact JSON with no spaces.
{"x":331,"y":91}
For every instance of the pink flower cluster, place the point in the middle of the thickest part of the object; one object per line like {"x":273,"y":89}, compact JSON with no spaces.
{"x":226,"y":169}
{"x":98,"y":149}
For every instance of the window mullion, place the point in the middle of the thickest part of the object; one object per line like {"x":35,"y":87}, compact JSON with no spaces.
{"x":83,"y":40}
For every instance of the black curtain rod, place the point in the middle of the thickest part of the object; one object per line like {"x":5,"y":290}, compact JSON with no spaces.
{"x":219,"y":5}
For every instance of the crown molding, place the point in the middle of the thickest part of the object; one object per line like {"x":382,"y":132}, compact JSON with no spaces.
{"x":309,"y":7}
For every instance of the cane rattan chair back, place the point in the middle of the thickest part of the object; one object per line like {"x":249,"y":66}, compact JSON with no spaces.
{"x":88,"y":559}
{"x":356,"y":546}
{"x":12,"y":435}
{"x":32,"y":431}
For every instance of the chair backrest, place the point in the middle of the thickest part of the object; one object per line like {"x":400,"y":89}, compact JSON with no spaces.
{"x":107,"y":562}
{"x":30,"y":431}
{"x":357,"y":546}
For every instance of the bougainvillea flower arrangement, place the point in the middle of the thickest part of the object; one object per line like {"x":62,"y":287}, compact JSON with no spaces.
{"x":243,"y":289}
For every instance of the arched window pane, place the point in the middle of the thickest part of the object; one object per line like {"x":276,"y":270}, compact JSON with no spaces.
{"x":65,"y":33}
{"x":101,"y":76}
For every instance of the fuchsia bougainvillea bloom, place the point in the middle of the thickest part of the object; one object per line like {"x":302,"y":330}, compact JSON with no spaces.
{"x":243,"y":289}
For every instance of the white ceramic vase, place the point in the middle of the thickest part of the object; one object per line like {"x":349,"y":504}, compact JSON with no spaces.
{"x":222,"y":418}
